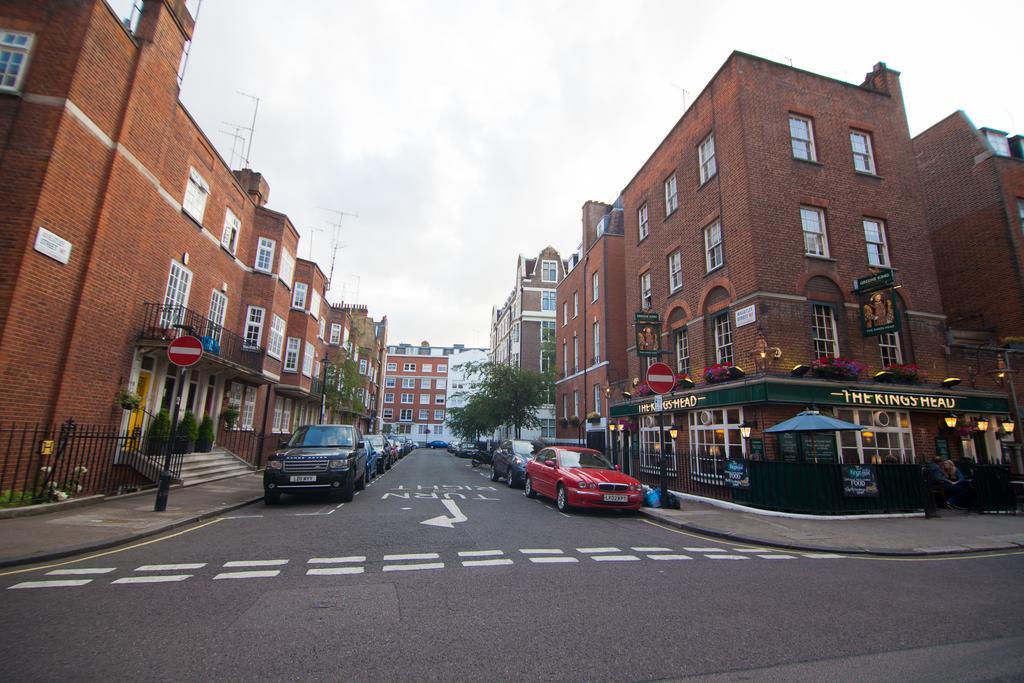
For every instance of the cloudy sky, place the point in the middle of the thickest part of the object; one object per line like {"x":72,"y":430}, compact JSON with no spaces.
{"x":464,"y":133}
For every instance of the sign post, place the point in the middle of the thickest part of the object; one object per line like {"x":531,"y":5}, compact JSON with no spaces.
{"x":661,"y":380}
{"x":183,"y":352}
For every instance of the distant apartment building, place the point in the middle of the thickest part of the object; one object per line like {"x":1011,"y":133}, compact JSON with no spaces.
{"x":462,"y":382}
{"x":416,"y":390}
{"x":523,"y":327}
{"x":590,"y":340}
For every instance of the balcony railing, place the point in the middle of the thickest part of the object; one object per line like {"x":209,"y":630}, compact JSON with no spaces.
{"x":164,"y":322}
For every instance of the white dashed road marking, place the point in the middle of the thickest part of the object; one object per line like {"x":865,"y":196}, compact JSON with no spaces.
{"x":486,"y":563}
{"x":552,"y":560}
{"x":644,"y":549}
{"x":752,"y":550}
{"x":614,"y":558}
{"x":160,"y":578}
{"x":822,"y":556}
{"x":480,"y":553}
{"x":597,"y":550}
{"x":265,"y":574}
{"x":669,"y":557}
{"x":704,"y":550}
{"x":83,"y":570}
{"x":51,"y":584}
{"x":777,"y":557}
{"x":727,"y":557}
{"x":540,"y":551}
{"x":255,"y":563}
{"x":413,"y":567}
{"x":337,"y":560}
{"x":331,"y":571}
{"x":411,"y":556}
{"x":170,"y":567}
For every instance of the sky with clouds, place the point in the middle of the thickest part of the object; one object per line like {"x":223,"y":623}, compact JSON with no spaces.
{"x":466,"y":132}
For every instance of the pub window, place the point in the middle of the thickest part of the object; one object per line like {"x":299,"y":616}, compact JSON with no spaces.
{"x":723,"y":338}
{"x":889,"y":347}
{"x":886,"y":438}
{"x":650,"y":448}
{"x":714,"y":438}
{"x":682,"y":343}
{"x":823,"y":331}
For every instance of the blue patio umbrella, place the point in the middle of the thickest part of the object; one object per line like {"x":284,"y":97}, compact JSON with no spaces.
{"x":813,"y":421}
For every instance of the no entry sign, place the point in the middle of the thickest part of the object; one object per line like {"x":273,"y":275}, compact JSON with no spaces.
{"x":660,"y":378}
{"x":185,"y":351}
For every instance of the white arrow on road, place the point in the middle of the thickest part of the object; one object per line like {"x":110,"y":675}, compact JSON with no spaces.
{"x":447,"y":521}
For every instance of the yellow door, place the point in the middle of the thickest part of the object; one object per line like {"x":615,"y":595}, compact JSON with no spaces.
{"x":137,"y":416}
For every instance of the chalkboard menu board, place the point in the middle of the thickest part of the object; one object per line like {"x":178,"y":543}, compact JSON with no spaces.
{"x":859,"y":481}
{"x":737,"y":475}
{"x":942,"y":448}
{"x":756,"y":449}
{"x":820,"y":448}
{"x":789,"y":451}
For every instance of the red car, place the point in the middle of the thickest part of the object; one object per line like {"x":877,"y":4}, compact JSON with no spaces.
{"x":580,"y":477}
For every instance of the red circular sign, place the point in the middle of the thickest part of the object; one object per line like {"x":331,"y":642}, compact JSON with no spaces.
{"x":185,"y":351}
{"x":660,"y":378}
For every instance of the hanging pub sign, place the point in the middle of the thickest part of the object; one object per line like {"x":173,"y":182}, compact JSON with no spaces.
{"x":648,"y":333}
{"x":880,"y":280}
{"x":878,"y":313}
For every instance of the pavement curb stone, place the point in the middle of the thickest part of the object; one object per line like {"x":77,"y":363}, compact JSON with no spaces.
{"x":652,"y":514}
{"x":121,"y":540}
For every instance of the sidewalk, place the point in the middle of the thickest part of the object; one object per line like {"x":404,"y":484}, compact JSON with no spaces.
{"x":118,"y":520}
{"x":951,"y":532}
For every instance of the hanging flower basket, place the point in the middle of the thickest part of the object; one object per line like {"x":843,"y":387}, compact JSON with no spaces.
{"x":719,"y":372}
{"x":642,"y":390}
{"x":128,"y":400}
{"x":593,"y":418}
{"x":827,"y":367}
{"x":628,"y":425}
{"x":563,"y":422}
{"x":905,"y":374}
{"x":574,"y":421}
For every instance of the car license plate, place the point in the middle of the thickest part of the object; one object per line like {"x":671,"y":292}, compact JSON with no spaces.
{"x":615,"y":498}
{"x":297,"y":478}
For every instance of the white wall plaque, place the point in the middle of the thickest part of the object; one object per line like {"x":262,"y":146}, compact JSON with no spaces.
{"x":54,"y":246}
{"x":746,"y":315}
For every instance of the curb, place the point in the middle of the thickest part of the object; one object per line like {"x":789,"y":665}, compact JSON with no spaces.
{"x":47,"y":508}
{"x":819,"y":549}
{"x":121,"y":540}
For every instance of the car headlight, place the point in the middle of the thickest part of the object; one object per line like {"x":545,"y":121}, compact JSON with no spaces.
{"x":635,"y":487}
{"x":582,"y":485}
{"x":338,"y":464}
{"x":520,"y":461}
{"x":275,"y":465}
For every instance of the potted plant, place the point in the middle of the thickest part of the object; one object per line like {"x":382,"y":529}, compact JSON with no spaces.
{"x":188,"y":430}
{"x":230,"y":416}
{"x":905,"y":374}
{"x":836,"y":368}
{"x":159,"y":432}
{"x":719,"y":372}
{"x":204,"y":440}
{"x":563,"y":422}
{"x":642,"y":390}
{"x":574,"y":421}
{"x":593,"y":417}
{"x":128,"y":400}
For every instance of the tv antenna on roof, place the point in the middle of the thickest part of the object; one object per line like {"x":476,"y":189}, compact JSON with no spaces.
{"x":252,"y":127}
{"x":336,"y":240}
{"x":237,"y":137}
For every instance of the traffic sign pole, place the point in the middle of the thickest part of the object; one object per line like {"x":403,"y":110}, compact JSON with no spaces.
{"x":661,"y":380}
{"x":165,"y":477}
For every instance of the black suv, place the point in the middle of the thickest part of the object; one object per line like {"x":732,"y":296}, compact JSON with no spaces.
{"x":317,"y":458}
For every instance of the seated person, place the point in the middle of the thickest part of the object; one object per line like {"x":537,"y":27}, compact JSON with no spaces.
{"x":956,"y":486}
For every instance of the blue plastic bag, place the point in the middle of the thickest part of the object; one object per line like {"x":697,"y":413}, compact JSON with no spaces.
{"x":652,"y":498}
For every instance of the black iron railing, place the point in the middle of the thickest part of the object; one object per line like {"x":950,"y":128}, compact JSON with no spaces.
{"x":165,"y":322}
{"x":51,"y":463}
{"x":243,"y":443}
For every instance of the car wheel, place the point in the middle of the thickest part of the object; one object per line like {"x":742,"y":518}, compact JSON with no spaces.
{"x":361,"y":484}
{"x":494,"y":474}
{"x":346,"y":492}
{"x":511,"y":478}
{"x":271,"y":497}
{"x":562,"y":501}
{"x":528,"y":489}
{"x":387,"y":464}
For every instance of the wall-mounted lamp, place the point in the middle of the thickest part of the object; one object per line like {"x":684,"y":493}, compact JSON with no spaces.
{"x":982,"y":424}
{"x":1008,"y":425}
{"x":745,"y":428}
{"x":626,"y":394}
{"x":800,"y":370}
{"x":673,"y":432}
{"x":737,"y":372}
{"x":884,"y":376}
{"x":950,"y":420}
{"x":685,"y":383}
{"x":612,"y":427}
{"x":764,"y":355}
{"x":950,"y":382}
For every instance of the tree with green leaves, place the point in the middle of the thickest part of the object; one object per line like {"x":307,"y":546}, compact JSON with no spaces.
{"x":343,"y":384}
{"x":509,"y":395}
{"x":473,"y":419}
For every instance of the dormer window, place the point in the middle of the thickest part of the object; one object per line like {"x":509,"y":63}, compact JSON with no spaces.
{"x":997,"y":140}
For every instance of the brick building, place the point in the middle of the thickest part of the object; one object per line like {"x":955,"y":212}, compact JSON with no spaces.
{"x":745,"y":232}
{"x":124,"y":229}
{"x":520,"y":326}
{"x":590,"y":341}
{"x":416,"y":389}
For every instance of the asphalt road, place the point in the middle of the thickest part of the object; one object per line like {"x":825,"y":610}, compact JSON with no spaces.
{"x":518,"y":591}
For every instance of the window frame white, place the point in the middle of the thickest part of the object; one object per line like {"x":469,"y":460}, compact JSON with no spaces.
{"x":176,"y":294}
{"x":218,"y":311}
{"x":405,"y":414}
{"x":890,"y":349}
{"x":596,"y":334}
{"x":252,"y":324}
{"x":646,"y":291}
{"x":232,"y":230}
{"x":643,"y":221}
{"x":291,"y":355}
{"x":286,"y":268}
{"x":681,"y":339}
{"x":723,"y":336}
{"x":675,"y":271}
{"x":576,"y":304}
{"x":811,"y":237}
{"x":865,"y":157}
{"x":197,"y":192}
{"x":824,"y":330}
{"x":20,"y":55}
{"x":548,"y":300}
{"x":275,"y":336}
{"x":406,"y":398}
{"x":335,"y":337}
{"x":714,"y":252}
{"x":408,"y":367}
{"x":671,"y":195}
{"x":265,"y":251}
{"x":544,"y":265}
{"x":314,"y":303}
{"x":408,"y":382}
{"x":389,"y":397}
{"x":307,"y":359}
{"x":879,"y":257}
{"x":392,"y":367}
{"x":707,"y":158}
{"x":794,"y":140}
{"x":595,"y":286}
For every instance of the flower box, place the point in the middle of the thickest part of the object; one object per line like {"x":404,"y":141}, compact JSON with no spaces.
{"x":719,"y":372}
{"x":827,"y":367}
{"x":905,"y":374}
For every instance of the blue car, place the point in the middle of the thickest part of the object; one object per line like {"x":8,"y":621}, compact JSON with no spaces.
{"x":437,"y":443}
{"x":509,"y":461}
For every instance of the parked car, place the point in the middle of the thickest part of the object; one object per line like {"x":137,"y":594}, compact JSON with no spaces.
{"x":437,"y":443}
{"x":462,"y":449}
{"x":509,"y":461}
{"x":580,"y":477}
{"x":396,"y":450}
{"x":408,"y":446}
{"x":376,"y":444}
{"x":317,"y":459}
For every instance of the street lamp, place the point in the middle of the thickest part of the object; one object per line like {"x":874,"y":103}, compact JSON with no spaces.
{"x":950,"y":420}
{"x":982,"y":424}
{"x":745,"y":428}
{"x":1007,"y":424}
